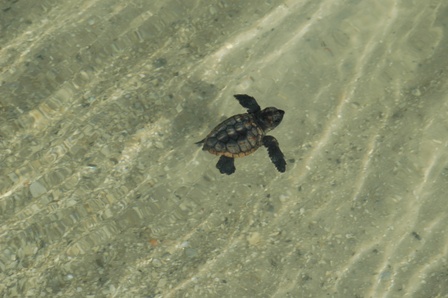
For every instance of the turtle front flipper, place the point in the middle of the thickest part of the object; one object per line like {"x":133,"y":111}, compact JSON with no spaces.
{"x":248,"y":102}
{"x":226,"y":165}
{"x":275,"y":153}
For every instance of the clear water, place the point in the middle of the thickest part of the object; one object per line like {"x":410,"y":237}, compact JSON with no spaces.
{"x":104,"y":194}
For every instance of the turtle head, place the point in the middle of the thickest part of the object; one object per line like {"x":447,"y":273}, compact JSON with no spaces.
{"x":270,"y":117}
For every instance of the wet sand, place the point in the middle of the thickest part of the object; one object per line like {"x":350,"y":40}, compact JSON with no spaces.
{"x":104,"y":194}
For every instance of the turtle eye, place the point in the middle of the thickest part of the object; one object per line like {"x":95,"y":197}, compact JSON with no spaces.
{"x":277,"y":118}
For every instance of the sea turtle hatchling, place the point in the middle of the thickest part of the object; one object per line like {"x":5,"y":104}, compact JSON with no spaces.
{"x":242,"y":134}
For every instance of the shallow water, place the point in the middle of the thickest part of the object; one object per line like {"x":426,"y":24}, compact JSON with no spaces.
{"x":104,"y":194}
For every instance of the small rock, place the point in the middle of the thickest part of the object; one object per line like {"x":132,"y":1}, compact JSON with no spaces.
{"x":37,"y":189}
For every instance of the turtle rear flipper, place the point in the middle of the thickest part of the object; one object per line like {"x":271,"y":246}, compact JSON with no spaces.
{"x":226,"y":165}
{"x":275,"y":153}
{"x":248,"y":102}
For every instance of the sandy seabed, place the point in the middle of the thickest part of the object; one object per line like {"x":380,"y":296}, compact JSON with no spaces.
{"x":104,"y":194}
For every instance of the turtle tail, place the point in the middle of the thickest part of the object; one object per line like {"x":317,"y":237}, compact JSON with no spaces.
{"x":200,"y":142}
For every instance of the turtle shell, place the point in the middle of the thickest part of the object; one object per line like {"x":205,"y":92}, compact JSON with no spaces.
{"x":237,"y":136}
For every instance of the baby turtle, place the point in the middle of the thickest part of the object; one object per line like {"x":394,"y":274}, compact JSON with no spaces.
{"x":242,"y":134}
